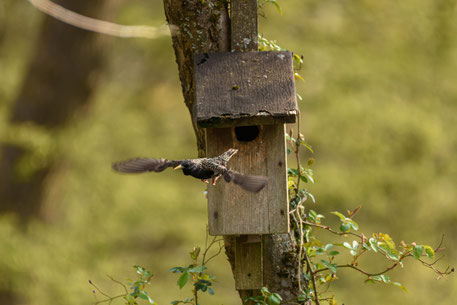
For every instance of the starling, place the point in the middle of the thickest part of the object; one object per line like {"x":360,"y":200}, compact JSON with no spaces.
{"x":202,"y":168}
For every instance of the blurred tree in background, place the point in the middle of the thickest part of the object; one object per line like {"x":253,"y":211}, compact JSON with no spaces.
{"x":61,"y":77}
{"x":378,"y":107}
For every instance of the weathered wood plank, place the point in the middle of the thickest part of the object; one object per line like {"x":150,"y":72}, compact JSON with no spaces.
{"x":243,"y":23}
{"x":248,"y":261}
{"x":234,"y":88}
{"x":234,"y":211}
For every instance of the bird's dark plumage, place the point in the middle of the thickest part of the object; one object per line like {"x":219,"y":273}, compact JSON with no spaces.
{"x":202,"y":168}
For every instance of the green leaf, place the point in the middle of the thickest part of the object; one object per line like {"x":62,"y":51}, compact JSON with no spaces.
{"x":264,"y":291}
{"x":292,"y":172}
{"x":274,"y":299}
{"x":177,"y":270}
{"x":429,"y":251}
{"x":391,"y":253}
{"x":385,"y":278}
{"x":290,"y":183}
{"x":377,"y":278}
{"x":374,"y":244}
{"x":308,"y":176}
{"x":277,"y":6}
{"x":330,"y":266}
{"x":387,"y":239}
{"x":197,"y":269}
{"x":328,"y":246}
{"x":353,"y":224}
{"x":341,"y":216}
{"x":417,"y":251}
{"x":130,"y":299}
{"x":312,"y":197}
{"x":310,"y":161}
{"x":308,"y":147}
{"x":183,"y":279}
{"x":211,"y":291}
{"x":333,"y":253}
{"x":347,"y":245}
{"x":345,"y":227}
{"x":355,"y":244}
{"x":144,"y":296}
{"x":399,"y":285}
{"x":312,"y":214}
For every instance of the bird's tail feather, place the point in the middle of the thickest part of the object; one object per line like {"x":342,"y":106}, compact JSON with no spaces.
{"x":248,"y":182}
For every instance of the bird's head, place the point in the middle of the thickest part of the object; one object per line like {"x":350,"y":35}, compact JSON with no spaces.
{"x":186,"y":165}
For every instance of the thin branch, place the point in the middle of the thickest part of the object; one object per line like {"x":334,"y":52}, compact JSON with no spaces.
{"x":216,"y":254}
{"x":99,"y":26}
{"x":110,"y":299}
{"x":215,"y":240}
{"x":120,"y":283}
{"x":330,"y":229}
{"x":300,"y":249}
{"x":438,"y":248}
{"x":441,"y":274}
{"x":313,"y":278}
{"x":98,"y":289}
{"x":360,"y":270}
{"x":297,"y":155}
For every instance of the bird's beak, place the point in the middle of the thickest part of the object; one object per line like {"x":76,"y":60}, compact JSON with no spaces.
{"x":177,"y":167}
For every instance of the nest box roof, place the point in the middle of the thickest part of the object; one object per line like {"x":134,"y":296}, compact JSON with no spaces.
{"x":244,"y":88}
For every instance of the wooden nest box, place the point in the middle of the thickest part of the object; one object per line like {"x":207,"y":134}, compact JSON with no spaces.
{"x":244,"y":99}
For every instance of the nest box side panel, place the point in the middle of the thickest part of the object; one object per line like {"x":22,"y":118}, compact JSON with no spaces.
{"x":233,"y":210}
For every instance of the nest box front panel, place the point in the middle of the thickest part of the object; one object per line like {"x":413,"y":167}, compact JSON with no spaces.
{"x":233,"y":210}
{"x":244,"y":88}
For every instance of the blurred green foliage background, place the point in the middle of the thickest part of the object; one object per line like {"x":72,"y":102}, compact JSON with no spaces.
{"x":379,"y":108}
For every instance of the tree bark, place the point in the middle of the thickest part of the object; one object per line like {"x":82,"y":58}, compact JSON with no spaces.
{"x":61,"y":78}
{"x":200,"y":27}
{"x":196,"y":27}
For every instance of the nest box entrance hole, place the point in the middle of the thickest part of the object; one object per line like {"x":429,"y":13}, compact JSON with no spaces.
{"x":247,"y":133}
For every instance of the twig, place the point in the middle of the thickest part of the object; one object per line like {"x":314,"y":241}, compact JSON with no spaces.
{"x":217,"y":253}
{"x":300,"y":249}
{"x":297,"y":155}
{"x":99,"y":26}
{"x":360,"y":270}
{"x":313,"y":279}
{"x":109,"y":298}
{"x":120,"y":283}
{"x":215,"y":240}
{"x":98,"y":289}
{"x":441,"y":274}
{"x":330,"y":229}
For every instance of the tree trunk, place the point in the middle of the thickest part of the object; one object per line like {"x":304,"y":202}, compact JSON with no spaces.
{"x":196,"y":27}
{"x":204,"y":26}
{"x":61,"y":78}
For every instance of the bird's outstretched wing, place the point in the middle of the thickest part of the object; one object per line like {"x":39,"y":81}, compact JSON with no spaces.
{"x":248,"y":182}
{"x":141,"y":165}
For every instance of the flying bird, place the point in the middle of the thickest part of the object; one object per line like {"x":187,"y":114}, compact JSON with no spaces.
{"x":201,"y":168}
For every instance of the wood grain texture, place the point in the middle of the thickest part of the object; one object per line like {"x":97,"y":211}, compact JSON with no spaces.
{"x":243,"y":23}
{"x":250,"y":88}
{"x":234,"y":211}
{"x":248,"y":261}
